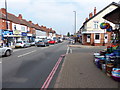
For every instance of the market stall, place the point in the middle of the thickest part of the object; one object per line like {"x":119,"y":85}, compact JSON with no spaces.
{"x":108,"y":60}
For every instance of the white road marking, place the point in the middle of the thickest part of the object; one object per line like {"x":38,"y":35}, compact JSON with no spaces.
{"x":21,"y":49}
{"x":68,"y":50}
{"x":26,"y":53}
{"x":44,"y":48}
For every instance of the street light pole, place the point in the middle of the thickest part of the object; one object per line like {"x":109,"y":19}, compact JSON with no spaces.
{"x":6,"y":15}
{"x":75,"y":22}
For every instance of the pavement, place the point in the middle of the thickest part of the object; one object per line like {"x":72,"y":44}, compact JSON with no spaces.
{"x":79,"y":71}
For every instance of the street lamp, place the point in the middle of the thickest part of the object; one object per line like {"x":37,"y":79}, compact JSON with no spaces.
{"x":6,"y":14}
{"x":75,"y":23}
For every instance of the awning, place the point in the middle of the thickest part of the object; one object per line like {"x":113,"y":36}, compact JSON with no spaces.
{"x":113,"y":16}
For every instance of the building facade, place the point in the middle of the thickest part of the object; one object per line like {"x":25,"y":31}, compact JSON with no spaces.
{"x":15,"y":28}
{"x":91,"y":32}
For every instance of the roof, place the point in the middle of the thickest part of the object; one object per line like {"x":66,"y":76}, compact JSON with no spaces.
{"x":113,"y":16}
{"x":113,"y":3}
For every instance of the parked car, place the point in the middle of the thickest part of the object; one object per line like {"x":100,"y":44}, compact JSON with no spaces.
{"x":42,"y":43}
{"x":5,"y":51}
{"x":51,"y":42}
{"x":56,"y":41}
{"x":32,"y":43}
{"x":22,"y":44}
{"x":60,"y":40}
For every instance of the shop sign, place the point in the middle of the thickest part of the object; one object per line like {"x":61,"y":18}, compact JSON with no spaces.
{"x":16,"y":32}
{"x":7,"y":33}
{"x":24,"y":34}
{"x":29,"y":34}
{"x":16,"y":35}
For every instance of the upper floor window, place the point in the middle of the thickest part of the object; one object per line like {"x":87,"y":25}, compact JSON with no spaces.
{"x":23,"y":28}
{"x":14,"y":27}
{"x":96,"y":24}
{"x":8,"y":25}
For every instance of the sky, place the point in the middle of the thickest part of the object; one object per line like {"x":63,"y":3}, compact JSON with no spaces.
{"x":56,"y":14}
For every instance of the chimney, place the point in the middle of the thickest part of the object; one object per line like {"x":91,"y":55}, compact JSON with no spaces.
{"x":30,"y":21}
{"x":20,"y":16}
{"x":3,"y":10}
{"x":50,"y":28}
{"x":90,"y":15}
{"x":37,"y":24}
{"x":94,"y":10}
{"x":86,"y":19}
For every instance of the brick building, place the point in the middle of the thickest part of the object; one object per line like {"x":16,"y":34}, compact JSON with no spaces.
{"x":15,"y":28}
{"x":91,"y":32}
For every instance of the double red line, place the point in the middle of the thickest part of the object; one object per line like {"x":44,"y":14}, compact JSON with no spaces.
{"x":49,"y":78}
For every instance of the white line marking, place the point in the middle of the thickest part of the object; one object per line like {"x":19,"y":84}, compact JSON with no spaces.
{"x":21,"y":49}
{"x":70,"y":50}
{"x":67,"y":50}
{"x":44,"y":48}
{"x":26,"y":53}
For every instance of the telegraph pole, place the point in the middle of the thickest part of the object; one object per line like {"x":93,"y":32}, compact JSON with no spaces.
{"x":74,"y":23}
{"x":6,"y":15}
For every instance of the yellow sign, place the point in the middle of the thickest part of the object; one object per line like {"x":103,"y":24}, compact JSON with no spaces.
{"x":17,"y":32}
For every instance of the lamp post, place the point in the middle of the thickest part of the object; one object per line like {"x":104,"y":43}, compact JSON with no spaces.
{"x":6,"y":15}
{"x":75,"y":23}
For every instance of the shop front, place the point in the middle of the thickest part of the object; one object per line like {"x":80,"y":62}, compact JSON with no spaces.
{"x":31,"y":37}
{"x":17,"y":35}
{"x":8,"y":37}
{"x":24,"y":36}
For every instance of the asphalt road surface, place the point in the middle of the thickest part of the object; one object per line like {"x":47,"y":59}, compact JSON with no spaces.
{"x":30,"y":67}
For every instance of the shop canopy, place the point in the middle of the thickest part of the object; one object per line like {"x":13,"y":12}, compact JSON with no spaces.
{"x":113,"y":16}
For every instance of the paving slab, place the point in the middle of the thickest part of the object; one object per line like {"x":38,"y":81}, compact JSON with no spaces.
{"x":79,"y":71}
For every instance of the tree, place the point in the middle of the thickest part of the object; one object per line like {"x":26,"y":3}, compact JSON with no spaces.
{"x":68,"y":34}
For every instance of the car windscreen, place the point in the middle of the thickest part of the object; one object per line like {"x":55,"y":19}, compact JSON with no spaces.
{"x":19,"y":42}
{"x":40,"y":41}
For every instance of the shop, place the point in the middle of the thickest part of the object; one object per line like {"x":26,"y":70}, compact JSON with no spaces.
{"x":17,"y":35}
{"x":24,"y":36}
{"x":31,"y":37}
{"x":108,"y":60}
{"x":8,"y":37}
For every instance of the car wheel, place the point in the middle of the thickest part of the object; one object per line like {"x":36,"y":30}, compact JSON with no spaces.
{"x":8,"y":53}
{"x":45,"y":45}
{"x":24,"y":46}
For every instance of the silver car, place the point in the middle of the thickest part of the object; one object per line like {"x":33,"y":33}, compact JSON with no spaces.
{"x":5,"y":51}
{"x":22,"y":44}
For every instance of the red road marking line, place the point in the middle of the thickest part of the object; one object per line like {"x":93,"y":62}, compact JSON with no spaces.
{"x":49,"y":78}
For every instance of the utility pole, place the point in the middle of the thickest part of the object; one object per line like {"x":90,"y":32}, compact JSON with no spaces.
{"x":6,"y":15}
{"x":75,"y":23}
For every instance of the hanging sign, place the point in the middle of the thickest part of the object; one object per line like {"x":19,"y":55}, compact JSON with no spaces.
{"x":104,"y":25}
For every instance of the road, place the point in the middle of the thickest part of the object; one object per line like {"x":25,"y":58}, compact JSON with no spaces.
{"x":30,"y":67}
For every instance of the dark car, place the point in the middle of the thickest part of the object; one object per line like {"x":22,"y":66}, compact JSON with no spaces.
{"x":42,"y":43}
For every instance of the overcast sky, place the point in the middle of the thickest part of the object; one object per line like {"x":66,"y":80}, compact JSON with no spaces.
{"x":56,"y":14}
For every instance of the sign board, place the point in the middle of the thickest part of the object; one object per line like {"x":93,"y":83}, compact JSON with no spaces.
{"x":17,"y":32}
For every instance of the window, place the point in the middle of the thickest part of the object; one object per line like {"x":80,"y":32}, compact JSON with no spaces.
{"x":8,"y":25}
{"x":23,"y":29}
{"x":97,"y":36}
{"x":14,"y":27}
{"x":95,"y":24}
